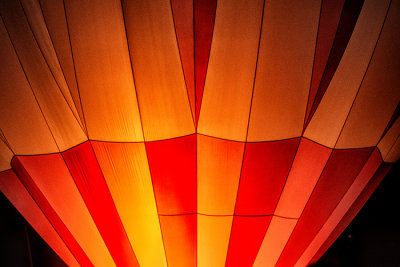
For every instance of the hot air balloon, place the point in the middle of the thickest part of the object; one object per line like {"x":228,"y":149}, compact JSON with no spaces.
{"x":196,"y":133}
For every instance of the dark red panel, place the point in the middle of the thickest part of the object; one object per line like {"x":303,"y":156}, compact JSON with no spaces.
{"x":173,"y":170}
{"x":266,"y":166}
{"x":355,"y":208}
{"x":180,"y":239}
{"x":204,"y":16}
{"x":339,"y":173}
{"x":350,"y":12}
{"x":83,"y":165}
{"x":246,"y":237}
{"x":49,"y":212}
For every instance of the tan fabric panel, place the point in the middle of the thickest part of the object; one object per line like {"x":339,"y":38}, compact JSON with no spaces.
{"x":390,"y":143}
{"x":213,"y":235}
{"x":328,"y":120}
{"x":160,"y":84}
{"x":127,"y":174}
{"x":284,"y":69}
{"x":230,"y":76}
{"x":103,"y":70}
{"x":274,"y":242}
{"x":38,"y":26}
{"x":219,"y":164}
{"x":17,"y":194}
{"x":21,"y":121}
{"x":379,"y":93}
{"x":64,"y":125}
{"x":5,"y":156}
{"x":56,"y":22}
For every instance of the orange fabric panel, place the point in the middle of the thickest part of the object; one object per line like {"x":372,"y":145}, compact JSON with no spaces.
{"x":180,"y":239}
{"x":26,"y":130}
{"x":182,"y":12}
{"x":307,"y":167}
{"x":56,"y":22}
{"x":274,"y":242}
{"x":328,"y":120}
{"x":284,"y":69}
{"x":366,"y":173}
{"x":160,"y":84}
{"x":54,"y":180}
{"x":219,"y":164}
{"x":34,"y":16}
{"x":60,"y":116}
{"x":379,"y":93}
{"x":5,"y":155}
{"x":231,"y":69}
{"x":213,"y":233}
{"x":103,"y":70}
{"x":389,"y":146}
{"x":126,"y":170}
{"x":17,"y":194}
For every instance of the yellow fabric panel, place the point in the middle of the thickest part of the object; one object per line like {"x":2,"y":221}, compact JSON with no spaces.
{"x":56,"y":23}
{"x":127,"y":174}
{"x":5,"y":156}
{"x":379,"y":93}
{"x":160,"y":84}
{"x":21,"y":121}
{"x":219,"y":164}
{"x":63,"y":123}
{"x":16,"y":193}
{"x":274,"y":242}
{"x":328,"y":120}
{"x":284,"y":69}
{"x":103,"y":70}
{"x":389,"y":146}
{"x":213,"y":233}
{"x":58,"y":186}
{"x":230,"y":75}
{"x":38,"y":26}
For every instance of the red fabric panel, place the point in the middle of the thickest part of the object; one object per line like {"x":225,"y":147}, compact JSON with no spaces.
{"x":246,"y":237}
{"x":173,"y":170}
{"x":180,"y":239}
{"x":328,"y":22}
{"x":265,"y":168}
{"x":339,"y":173}
{"x":204,"y":16}
{"x":183,"y":20}
{"x":83,"y":165}
{"x":355,"y":208}
{"x":51,"y":215}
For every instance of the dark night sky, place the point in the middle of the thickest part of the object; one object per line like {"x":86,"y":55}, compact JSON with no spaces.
{"x":372,"y":239}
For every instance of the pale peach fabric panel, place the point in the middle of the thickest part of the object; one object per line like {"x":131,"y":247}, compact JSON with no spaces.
{"x":127,"y":174}
{"x":56,"y":23}
{"x":160,"y":84}
{"x":328,"y":120}
{"x":103,"y":70}
{"x":5,"y":156}
{"x":380,"y":91}
{"x":62,"y":121}
{"x":21,"y":120}
{"x":213,"y":233}
{"x":38,"y":26}
{"x":389,"y":146}
{"x":16,"y":193}
{"x":344,"y":205}
{"x":284,"y":69}
{"x":219,"y":164}
{"x":307,"y":167}
{"x":274,"y":242}
{"x":58,"y":186}
{"x":230,"y":75}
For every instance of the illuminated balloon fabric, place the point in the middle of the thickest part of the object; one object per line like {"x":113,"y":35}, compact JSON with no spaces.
{"x":196,"y":133}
